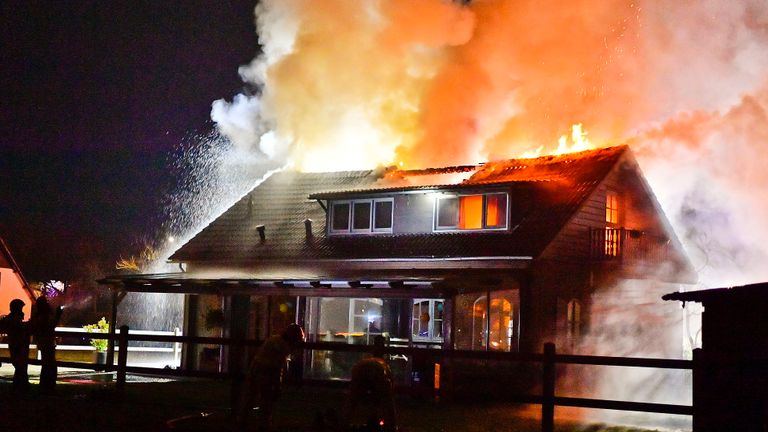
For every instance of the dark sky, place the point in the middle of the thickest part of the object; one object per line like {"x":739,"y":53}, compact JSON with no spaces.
{"x":94,"y":98}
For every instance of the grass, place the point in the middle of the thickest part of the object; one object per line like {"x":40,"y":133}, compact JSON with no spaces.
{"x":147,"y":406}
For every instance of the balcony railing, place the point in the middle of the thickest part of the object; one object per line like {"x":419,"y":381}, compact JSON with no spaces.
{"x":625,"y":245}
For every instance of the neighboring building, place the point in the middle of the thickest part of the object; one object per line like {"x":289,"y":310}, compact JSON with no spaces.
{"x":12,"y":283}
{"x":499,"y":256}
{"x":730,"y":390}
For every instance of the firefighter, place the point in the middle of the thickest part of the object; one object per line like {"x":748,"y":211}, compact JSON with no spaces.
{"x":372,"y":387}
{"x":265,"y":375}
{"x":18,"y":344}
{"x":43,"y":322}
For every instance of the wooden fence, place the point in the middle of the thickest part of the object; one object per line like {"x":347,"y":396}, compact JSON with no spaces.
{"x":548,"y":359}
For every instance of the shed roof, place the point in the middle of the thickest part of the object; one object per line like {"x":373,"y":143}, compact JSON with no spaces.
{"x":286,"y":199}
{"x":753,"y":292}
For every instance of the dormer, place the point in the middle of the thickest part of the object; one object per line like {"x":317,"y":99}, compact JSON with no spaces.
{"x":416,"y":210}
{"x":361,"y":216}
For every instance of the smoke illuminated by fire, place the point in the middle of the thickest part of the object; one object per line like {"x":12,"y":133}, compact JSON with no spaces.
{"x":356,"y":84}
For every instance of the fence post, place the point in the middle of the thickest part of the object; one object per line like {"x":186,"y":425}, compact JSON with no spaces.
{"x":548,"y":389}
{"x":177,"y":348}
{"x":122,"y":358}
{"x":699,"y":395}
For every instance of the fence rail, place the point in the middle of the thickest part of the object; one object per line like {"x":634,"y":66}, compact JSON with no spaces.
{"x":549,"y":360}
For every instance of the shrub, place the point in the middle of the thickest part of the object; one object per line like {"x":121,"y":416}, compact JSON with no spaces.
{"x":100,"y":327}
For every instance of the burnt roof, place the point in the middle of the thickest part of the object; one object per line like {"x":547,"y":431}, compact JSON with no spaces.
{"x":282,"y":202}
{"x":580,"y":167}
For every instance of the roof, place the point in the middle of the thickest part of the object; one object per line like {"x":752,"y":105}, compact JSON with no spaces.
{"x":751,"y":292}
{"x":286,"y":199}
{"x":7,"y":261}
{"x":578,"y":167}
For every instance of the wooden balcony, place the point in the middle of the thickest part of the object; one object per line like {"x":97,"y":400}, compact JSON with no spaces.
{"x":627,"y":246}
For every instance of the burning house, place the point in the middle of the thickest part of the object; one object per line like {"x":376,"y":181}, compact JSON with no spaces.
{"x":500,"y":256}
{"x":13,"y":285}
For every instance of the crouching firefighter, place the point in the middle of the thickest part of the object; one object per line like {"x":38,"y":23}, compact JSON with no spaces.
{"x":265,"y":376}
{"x":372,"y":389}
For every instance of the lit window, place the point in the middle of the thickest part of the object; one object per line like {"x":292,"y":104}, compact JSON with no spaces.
{"x":611,"y":208}
{"x":472,"y":212}
{"x":612,"y":233}
{"x":365,"y":317}
{"x":427,"y":320}
{"x":612,"y":241}
{"x":574,"y":320}
{"x":496,"y":211}
{"x":501,"y":333}
{"x":362,"y":216}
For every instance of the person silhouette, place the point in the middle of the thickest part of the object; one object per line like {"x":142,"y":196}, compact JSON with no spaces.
{"x":43,"y":323}
{"x":265,"y":375}
{"x":18,"y":344}
{"x":372,"y":387}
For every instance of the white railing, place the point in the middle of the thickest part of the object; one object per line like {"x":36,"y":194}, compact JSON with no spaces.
{"x":174,"y":349}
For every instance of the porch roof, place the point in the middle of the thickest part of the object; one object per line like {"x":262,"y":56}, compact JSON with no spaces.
{"x":186,"y":283}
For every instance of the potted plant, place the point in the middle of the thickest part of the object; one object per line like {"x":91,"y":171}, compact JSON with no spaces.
{"x":102,"y":326}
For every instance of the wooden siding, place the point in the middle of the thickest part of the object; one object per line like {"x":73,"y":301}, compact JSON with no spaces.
{"x":636,"y":212}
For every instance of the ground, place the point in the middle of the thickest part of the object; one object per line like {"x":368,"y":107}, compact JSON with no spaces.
{"x":82,"y":403}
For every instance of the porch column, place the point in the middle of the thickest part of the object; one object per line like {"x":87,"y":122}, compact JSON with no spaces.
{"x":237,"y":331}
{"x":527,"y":327}
{"x":117,"y":297}
{"x":189,"y":358}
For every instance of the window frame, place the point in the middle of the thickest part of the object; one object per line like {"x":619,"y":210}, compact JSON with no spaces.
{"x":484,"y":217}
{"x":332,"y":216}
{"x":391,"y":216}
{"x":433,"y":322}
{"x":350,"y":230}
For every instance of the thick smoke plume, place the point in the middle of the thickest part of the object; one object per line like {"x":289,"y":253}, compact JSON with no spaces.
{"x":354,"y":84}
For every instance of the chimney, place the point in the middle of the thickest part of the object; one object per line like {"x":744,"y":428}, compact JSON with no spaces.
{"x":308,"y":228}
{"x":260,"y":229}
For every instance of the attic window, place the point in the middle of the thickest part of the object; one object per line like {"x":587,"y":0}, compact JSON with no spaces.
{"x":363,"y":216}
{"x":471,"y":212}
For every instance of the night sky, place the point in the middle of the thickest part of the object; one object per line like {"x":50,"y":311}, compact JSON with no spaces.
{"x":96,"y":98}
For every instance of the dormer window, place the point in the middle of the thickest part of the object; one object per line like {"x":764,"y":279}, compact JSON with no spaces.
{"x":471,"y":212}
{"x":363,"y":216}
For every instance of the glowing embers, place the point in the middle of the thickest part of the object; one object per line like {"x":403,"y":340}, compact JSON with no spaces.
{"x":471,"y":212}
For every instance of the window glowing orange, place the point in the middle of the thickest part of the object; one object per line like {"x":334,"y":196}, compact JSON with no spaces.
{"x":612,"y":241}
{"x":495,"y":210}
{"x":611,"y":208}
{"x":612,"y":234}
{"x":471,"y":212}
